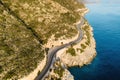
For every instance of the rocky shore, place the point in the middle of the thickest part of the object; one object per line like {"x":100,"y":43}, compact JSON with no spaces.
{"x":85,"y":51}
{"x":81,"y":58}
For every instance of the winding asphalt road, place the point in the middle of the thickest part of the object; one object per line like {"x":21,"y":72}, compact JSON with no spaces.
{"x":52,"y":53}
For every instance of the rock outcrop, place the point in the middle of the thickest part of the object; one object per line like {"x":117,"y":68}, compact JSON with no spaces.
{"x":84,"y":50}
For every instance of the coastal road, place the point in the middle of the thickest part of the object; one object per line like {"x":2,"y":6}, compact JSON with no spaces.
{"x":52,"y":53}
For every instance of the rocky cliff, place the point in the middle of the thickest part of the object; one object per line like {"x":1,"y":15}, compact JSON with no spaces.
{"x":84,"y":51}
{"x":79,"y":54}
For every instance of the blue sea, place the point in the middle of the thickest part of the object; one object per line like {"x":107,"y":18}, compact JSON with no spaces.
{"x":104,"y":17}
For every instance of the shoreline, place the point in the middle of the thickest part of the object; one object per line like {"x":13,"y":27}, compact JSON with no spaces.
{"x":90,"y":58}
{"x":92,"y":44}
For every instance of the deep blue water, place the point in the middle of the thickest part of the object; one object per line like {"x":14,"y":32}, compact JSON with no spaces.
{"x":105,"y":20}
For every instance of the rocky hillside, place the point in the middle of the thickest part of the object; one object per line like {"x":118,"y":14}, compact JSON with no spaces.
{"x":26,"y":27}
{"x":79,"y":54}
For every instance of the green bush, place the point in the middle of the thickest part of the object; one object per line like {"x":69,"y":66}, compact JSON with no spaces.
{"x":71,"y":51}
{"x":83,"y":46}
{"x":81,"y":50}
{"x":9,"y":75}
{"x":87,"y":43}
{"x":1,"y":69}
{"x":59,"y":71}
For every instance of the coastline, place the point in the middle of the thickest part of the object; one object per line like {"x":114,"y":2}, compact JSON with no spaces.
{"x":81,"y":59}
{"x":66,"y":57}
{"x":60,"y":39}
{"x":62,"y":54}
{"x":84,"y":58}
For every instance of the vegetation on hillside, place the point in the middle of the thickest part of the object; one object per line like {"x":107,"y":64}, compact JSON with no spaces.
{"x":48,"y":17}
{"x":20,"y":50}
{"x":70,"y":4}
{"x":71,"y":50}
{"x":25,"y":25}
{"x":87,"y":33}
{"x":87,"y":37}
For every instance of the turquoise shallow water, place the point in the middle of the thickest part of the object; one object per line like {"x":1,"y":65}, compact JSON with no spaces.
{"x":105,"y":20}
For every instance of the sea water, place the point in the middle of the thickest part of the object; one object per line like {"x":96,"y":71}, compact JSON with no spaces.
{"x":104,"y":17}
